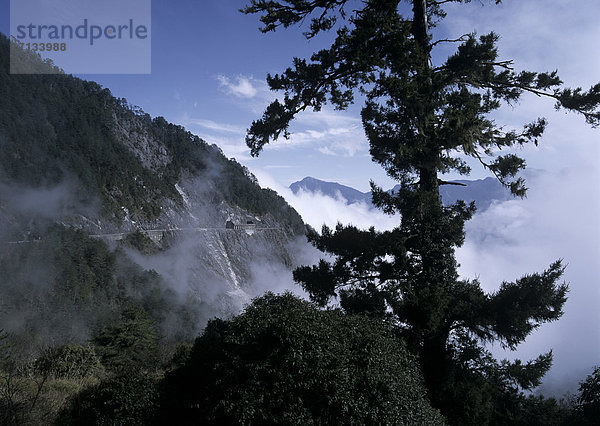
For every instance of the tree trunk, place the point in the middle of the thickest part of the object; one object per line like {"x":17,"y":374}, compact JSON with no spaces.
{"x":428,"y":172}
{"x":420,"y":26}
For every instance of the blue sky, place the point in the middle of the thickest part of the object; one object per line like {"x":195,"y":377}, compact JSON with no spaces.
{"x":209,"y":64}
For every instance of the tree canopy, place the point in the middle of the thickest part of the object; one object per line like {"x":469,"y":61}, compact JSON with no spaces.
{"x":419,"y":118}
{"x":283,"y":361}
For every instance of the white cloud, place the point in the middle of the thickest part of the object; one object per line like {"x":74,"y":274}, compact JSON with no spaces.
{"x":243,"y":88}
{"x":231,"y":147}
{"x":329,"y":132}
{"x":559,"y":219}
{"x":212,"y":125}
{"x":560,"y":34}
{"x":326,"y":151}
{"x":332,"y":132}
{"x":228,"y":137}
{"x":279,"y":166}
{"x":329,"y":118}
{"x":317,"y":209}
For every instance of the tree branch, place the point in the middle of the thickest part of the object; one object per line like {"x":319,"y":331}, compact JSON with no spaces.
{"x":487,"y":166}
{"x":448,"y":40}
{"x":445,"y":182}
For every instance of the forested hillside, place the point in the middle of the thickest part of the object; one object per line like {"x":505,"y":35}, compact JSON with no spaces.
{"x":56,"y":125}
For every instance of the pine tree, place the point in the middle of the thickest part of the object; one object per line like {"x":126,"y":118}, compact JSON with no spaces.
{"x":418,"y":116}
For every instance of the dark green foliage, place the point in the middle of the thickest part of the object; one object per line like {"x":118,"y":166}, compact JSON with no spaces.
{"x":130,"y":344}
{"x":25,"y":61}
{"x":60,"y":288}
{"x":241,"y":188}
{"x":475,"y":388}
{"x":3,"y":344}
{"x":141,"y":242}
{"x":128,"y":399}
{"x":63,"y":286}
{"x":283,"y":361}
{"x":518,"y":308}
{"x":33,"y":389}
{"x":71,"y":361}
{"x":57,"y":289}
{"x":419,"y":118}
{"x":294,"y":11}
{"x":66,"y":271}
{"x":180,"y":356}
{"x":56,"y":124}
{"x":588,"y":400}
{"x":535,"y":410}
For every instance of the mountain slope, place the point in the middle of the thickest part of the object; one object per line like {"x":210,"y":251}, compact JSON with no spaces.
{"x":56,"y":126}
{"x":132,"y":208}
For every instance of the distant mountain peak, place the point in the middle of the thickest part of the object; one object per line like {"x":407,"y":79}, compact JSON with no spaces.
{"x":330,"y":189}
{"x":482,"y":191}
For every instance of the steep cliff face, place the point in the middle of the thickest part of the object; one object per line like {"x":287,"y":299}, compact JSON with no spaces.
{"x":72,"y":154}
{"x":190,"y":229}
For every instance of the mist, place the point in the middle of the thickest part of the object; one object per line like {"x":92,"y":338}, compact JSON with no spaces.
{"x":25,"y":210}
{"x":223,"y":270}
{"x":560,"y":219}
{"x":218,"y":269}
{"x":27,"y":271}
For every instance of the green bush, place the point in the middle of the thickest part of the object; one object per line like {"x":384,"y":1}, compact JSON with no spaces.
{"x":283,"y":361}
{"x":131,"y":344}
{"x":128,"y":399}
{"x":71,"y":361}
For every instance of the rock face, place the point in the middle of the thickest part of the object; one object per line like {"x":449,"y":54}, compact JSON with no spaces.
{"x":203,"y":259}
{"x":206,"y":259}
{"x":193,"y":250}
{"x":133,"y":134}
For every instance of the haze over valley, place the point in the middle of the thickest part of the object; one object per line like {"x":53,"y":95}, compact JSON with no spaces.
{"x":400,"y":224}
